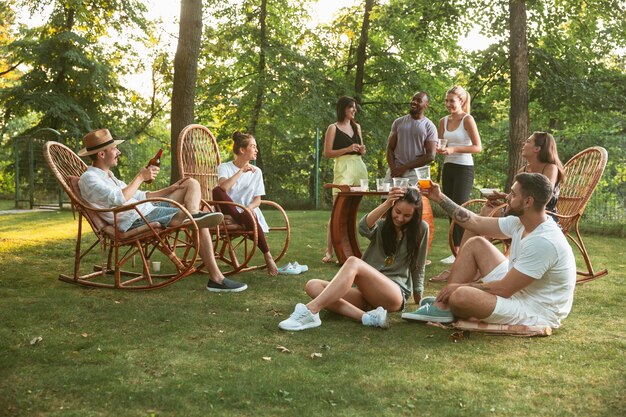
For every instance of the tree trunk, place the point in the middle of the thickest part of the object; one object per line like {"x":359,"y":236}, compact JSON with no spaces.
{"x":361,"y":54}
{"x":261,"y":69}
{"x":518,"y":131}
{"x":185,"y":73}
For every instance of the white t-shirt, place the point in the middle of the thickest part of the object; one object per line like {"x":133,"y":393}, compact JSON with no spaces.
{"x":457,"y":137}
{"x":248,"y":186}
{"x":102,"y":190}
{"x":544,"y":255}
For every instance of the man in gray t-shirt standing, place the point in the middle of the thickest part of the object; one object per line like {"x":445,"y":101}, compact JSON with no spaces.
{"x":412,"y":142}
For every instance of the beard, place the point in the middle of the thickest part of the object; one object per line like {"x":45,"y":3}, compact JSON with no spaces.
{"x":510,"y":211}
{"x":414,"y":111}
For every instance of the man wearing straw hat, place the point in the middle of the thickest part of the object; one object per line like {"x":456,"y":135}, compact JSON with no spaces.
{"x":99,"y":187}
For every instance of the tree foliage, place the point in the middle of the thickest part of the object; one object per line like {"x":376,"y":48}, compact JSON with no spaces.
{"x":71,"y":77}
{"x":264,"y":68}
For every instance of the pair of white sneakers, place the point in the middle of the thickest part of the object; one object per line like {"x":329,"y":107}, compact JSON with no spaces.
{"x":302,"y":318}
{"x":293,"y":269}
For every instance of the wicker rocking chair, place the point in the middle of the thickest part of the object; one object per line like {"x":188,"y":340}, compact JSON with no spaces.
{"x":235,"y":246}
{"x":582,"y":174}
{"x":174,"y":247}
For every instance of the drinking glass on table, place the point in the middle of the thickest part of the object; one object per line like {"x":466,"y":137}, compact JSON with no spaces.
{"x":382,"y":185}
{"x":364,"y":184}
{"x":401,"y":183}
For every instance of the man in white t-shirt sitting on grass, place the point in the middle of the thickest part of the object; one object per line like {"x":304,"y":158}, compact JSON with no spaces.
{"x":533,"y":287}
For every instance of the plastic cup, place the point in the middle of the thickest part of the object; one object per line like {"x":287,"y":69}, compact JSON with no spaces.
{"x":401,"y":183}
{"x":442,"y":143}
{"x":156,"y":266}
{"x":423,"y":176}
{"x":380,"y":184}
{"x":386,"y":186}
{"x":364,"y":184}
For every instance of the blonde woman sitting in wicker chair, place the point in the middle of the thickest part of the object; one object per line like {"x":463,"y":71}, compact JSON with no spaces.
{"x":241,"y":182}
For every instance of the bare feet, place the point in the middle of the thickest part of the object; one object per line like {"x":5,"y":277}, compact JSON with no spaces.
{"x":272,"y":269}
{"x":328,"y":258}
{"x":442,"y":277}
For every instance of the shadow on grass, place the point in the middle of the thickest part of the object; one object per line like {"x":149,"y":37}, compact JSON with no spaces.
{"x":183,"y":351}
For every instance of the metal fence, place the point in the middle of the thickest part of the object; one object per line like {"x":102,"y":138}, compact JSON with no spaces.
{"x":37,"y":187}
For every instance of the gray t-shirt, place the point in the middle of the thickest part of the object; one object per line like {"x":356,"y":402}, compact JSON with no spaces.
{"x":412,"y":136}
{"x":398,"y":270}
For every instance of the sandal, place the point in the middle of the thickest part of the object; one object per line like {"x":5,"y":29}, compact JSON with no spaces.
{"x":328,"y":258}
{"x":442,"y":277}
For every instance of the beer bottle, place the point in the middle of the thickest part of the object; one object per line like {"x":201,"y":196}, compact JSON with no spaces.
{"x":156,"y":161}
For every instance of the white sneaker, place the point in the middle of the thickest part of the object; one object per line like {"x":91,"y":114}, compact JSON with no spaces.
{"x":449,"y":260}
{"x":376,"y":318}
{"x":301,"y":319}
{"x":301,"y":268}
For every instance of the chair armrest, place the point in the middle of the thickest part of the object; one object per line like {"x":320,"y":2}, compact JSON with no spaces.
{"x":215,"y":204}
{"x":272,"y":204}
{"x":134,"y":206}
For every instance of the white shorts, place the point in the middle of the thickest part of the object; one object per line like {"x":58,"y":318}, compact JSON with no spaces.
{"x":497,"y":273}
{"x":518,"y":309}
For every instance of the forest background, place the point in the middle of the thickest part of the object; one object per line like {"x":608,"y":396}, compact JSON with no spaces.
{"x":262,"y":66}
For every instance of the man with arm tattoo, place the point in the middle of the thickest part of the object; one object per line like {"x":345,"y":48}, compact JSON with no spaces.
{"x":534,"y":286}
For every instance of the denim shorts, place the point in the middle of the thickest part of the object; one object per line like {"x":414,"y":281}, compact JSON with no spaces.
{"x":161,"y":213}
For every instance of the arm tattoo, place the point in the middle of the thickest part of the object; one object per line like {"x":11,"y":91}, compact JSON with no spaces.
{"x":461,"y":215}
{"x":458,"y":213}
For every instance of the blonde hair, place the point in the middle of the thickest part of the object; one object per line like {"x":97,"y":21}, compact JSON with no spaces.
{"x":463,"y":95}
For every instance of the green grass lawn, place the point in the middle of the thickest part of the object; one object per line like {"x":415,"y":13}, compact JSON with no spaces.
{"x":182,"y":351}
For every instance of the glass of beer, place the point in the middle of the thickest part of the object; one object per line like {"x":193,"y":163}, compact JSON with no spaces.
{"x":423,"y":176}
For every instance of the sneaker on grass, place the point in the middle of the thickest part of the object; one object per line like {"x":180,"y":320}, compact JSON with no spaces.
{"x":376,"y":318}
{"x":428,"y":312}
{"x":427,"y":300}
{"x":228,"y":285}
{"x":449,"y":260}
{"x":301,"y":319}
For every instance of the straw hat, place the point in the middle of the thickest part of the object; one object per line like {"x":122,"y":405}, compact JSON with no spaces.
{"x":96,"y":141}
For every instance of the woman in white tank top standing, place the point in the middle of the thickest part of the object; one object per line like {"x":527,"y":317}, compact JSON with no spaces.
{"x":459,"y":128}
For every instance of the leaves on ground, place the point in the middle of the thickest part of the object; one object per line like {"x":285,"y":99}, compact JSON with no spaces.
{"x":282,"y":349}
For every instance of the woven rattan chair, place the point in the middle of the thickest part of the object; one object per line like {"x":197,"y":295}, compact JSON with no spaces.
{"x":582,"y":174}
{"x":235,"y":246}
{"x":133,"y":250}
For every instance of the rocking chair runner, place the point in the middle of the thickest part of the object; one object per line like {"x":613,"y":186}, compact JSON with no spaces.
{"x":175,"y":247}
{"x":198,"y":157}
{"x":582,"y":174}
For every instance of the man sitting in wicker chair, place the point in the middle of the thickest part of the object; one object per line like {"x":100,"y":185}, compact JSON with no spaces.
{"x":99,"y":187}
{"x":534,"y":287}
